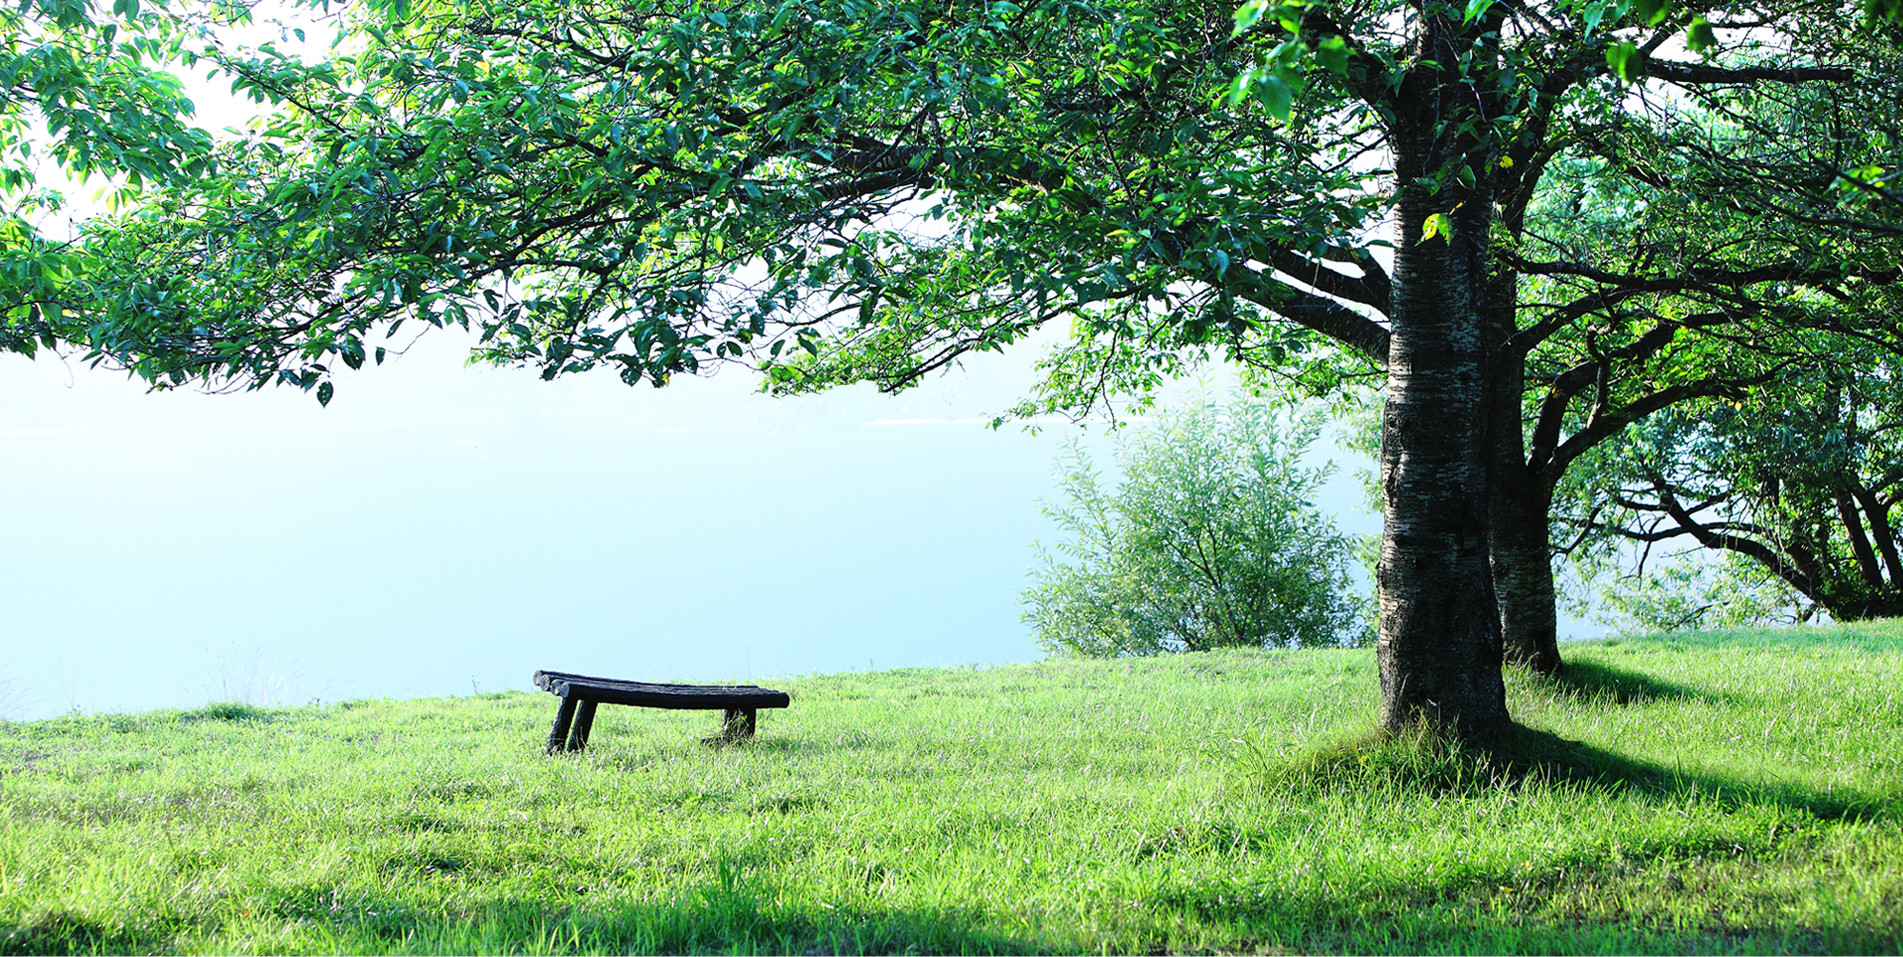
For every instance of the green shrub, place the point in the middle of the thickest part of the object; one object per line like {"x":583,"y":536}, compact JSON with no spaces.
{"x":1210,"y":540}
{"x":228,"y":711}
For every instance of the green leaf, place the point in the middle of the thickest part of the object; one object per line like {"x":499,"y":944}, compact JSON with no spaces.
{"x":1654,"y":12}
{"x":1699,"y":37}
{"x":1249,"y":13}
{"x":324,"y":393}
{"x":1475,"y":10}
{"x":1626,"y":60}
{"x":1438,"y":224}
{"x":1239,"y":87}
{"x":1594,"y":12}
{"x":1277,"y":96}
{"x":1332,"y":54}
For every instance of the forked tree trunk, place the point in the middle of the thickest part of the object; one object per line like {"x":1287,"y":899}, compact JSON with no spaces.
{"x":1439,"y":647}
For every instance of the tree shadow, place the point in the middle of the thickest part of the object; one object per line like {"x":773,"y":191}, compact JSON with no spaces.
{"x":1520,"y":756}
{"x":644,"y":753}
{"x":724,"y":915}
{"x":1465,"y":906}
{"x":1531,"y":752}
{"x":62,"y":931}
{"x":1592,"y":681}
{"x":731,"y":919}
{"x":1398,"y":916}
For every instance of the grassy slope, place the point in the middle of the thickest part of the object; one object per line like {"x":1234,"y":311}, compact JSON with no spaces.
{"x":1738,"y":792}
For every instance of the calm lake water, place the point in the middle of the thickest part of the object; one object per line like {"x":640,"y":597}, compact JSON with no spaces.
{"x":442,"y":529}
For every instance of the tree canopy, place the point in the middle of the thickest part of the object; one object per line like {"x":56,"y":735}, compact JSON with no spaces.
{"x":847,"y":190}
{"x":91,"y":91}
{"x":1693,"y":258}
{"x":1800,"y":479}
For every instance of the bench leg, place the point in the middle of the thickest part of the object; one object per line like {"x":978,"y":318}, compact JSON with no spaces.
{"x":563,"y":717}
{"x":584,"y":722}
{"x":739,"y":723}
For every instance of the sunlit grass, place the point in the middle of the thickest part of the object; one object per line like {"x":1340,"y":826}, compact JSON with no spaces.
{"x":1740,"y":792}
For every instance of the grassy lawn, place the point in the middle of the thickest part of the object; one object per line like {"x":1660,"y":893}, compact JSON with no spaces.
{"x":1727,"y":792}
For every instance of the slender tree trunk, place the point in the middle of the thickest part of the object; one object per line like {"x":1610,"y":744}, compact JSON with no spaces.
{"x":1519,"y":501}
{"x":1859,"y":542}
{"x":1523,"y":573}
{"x":1439,"y":648}
{"x":1878,"y":515}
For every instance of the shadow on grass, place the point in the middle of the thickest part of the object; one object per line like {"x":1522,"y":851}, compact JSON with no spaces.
{"x":1425,"y":763}
{"x":1591,"y":681}
{"x":65,"y":932}
{"x":640,"y":755}
{"x":1478,"y":918}
{"x":730,"y":919}
{"x":723,"y":917}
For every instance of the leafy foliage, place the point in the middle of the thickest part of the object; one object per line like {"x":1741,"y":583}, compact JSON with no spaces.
{"x":91,"y":89}
{"x":1210,"y":540}
{"x":1799,"y":480}
{"x":1710,"y":230}
{"x":833,"y":189}
{"x":1689,"y":588}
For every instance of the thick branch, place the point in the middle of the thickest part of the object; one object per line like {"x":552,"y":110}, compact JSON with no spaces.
{"x":1878,"y":515}
{"x":1606,"y":426}
{"x":1756,"y":551}
{"x":1371,"y":289}
{"x":1691,"y":74}
{"x":1696,"y":278}
{"x":1859,"y":542}
{"x":1310,"y":311}
{"x":1566,"y":385}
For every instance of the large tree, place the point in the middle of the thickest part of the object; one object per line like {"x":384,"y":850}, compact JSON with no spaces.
{"x":844,"y":190}
{"x":1676,"y":256}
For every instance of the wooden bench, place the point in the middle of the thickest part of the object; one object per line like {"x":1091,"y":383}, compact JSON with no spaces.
{"x":581,"y":693}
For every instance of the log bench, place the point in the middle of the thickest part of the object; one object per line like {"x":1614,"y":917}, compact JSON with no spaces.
{"x":581,"y":693}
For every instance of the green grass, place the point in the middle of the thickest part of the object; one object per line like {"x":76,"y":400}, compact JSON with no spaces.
{"x":1736,"y":792}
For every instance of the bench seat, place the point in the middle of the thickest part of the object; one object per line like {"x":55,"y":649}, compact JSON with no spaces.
{"x":581,"y":694}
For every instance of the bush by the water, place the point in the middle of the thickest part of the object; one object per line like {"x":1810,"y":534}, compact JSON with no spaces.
{"x":1210,"y":540}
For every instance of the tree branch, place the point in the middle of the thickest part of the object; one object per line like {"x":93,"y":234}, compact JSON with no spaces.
{"x":1693,"y":74}
{"x":1305,"y":309}
{"x":1756,"y":551}
{"x":1604,"y":427}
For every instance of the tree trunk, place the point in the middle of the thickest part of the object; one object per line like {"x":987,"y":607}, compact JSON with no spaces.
{"x":1519,"y":500}
{"x":1439,"y":647}
{"x":1523,"y":572}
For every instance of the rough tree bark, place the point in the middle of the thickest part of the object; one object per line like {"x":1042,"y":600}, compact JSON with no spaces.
{"x":1518,"y":499}
{"x":1523,"y":570}
{"x":1439,"y":650}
